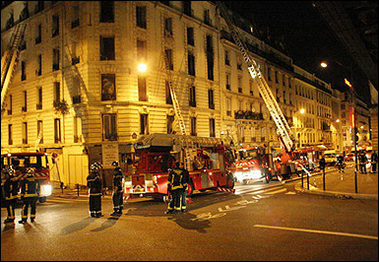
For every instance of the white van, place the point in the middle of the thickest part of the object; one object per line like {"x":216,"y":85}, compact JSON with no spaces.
{"x":330,"y":157}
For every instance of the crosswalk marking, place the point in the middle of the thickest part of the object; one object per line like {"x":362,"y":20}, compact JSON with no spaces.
{"x":277,"y":191}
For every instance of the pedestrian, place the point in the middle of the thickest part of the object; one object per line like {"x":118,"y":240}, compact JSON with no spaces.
{"x":175,"y":186}
{"x":30,"y":189}
{"x":374,"y":161}
{"x":340,"y":164}
{"x":363,"y":162}
{"x":322,"y":164}
{"x":11,"y":188}
{"x":117,"y":197}
{"x":94,"y":183}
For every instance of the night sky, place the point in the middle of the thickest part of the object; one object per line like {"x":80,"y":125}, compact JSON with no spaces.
{"x":306,"y":37}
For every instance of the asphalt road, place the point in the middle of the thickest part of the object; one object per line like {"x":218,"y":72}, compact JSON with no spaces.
{"x":259,"y":222}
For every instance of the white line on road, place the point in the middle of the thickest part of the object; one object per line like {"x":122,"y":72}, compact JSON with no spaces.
{"x":277,"y":191}
{"x":318,"y":231}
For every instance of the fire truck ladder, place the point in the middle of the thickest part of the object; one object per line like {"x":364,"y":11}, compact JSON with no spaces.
{"x":283,"y":129}
{"x":10,"y":60}
{"x":177,"y":110}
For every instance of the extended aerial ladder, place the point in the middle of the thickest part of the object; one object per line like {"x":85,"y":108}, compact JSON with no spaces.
{"x":10,"y":59}
{"x":283,"y":128}
{"x":178,"y":113}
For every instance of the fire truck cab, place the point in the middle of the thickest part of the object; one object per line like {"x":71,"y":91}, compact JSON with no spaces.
{"x":22,"y":161}
{"x":156,"y":153}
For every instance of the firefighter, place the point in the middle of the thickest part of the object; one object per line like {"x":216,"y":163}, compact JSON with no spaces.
{"x":176,"y":185}
{"x":94,"y":184}
{"x":117,"y":197}
{"x":374,"y":161}
{"x":186,"y":180}
{"x":363,"y":162}
{"x":340,"y":164}
{"x":30,"y":189}
{"x":11,"y":188}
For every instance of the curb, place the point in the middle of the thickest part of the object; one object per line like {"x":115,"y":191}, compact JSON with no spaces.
{"x":317,"y":191}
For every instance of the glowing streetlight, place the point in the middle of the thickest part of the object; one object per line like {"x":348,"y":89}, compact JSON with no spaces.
{"x":337,"y":120}
{"x":142,"y":67}
{"x":323,"y":64}
{"x":302,"y":111}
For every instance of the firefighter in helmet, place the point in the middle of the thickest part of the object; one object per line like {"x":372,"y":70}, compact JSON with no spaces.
{"x":11,"y":188}
{"x":94,"y":184}
{"x":117,"y":196}
{"x":30,"y":189}
{"x":177,"y":183}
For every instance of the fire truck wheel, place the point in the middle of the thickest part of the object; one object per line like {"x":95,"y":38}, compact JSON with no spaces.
{"x":229,"y":181}
{"x":190,"y":188}
{"x":166,"y":199}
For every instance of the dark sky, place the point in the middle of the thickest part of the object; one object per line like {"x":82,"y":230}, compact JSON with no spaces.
{"x":306,"y":36}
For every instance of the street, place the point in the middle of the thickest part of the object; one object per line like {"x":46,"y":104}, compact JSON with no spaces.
{"x":259,"y":222}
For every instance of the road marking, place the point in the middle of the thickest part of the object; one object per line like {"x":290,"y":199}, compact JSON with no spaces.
{"x":318,"y":231}
{"x":277,"y":191}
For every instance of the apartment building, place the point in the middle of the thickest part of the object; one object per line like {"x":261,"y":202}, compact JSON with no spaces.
{"x":78,"y":90}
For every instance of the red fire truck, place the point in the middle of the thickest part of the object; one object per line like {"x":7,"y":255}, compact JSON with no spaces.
{"x":22,"y":161}
{"x":156,"y":153}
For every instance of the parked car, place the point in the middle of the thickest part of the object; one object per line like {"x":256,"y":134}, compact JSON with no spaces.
{"x":330,"y":157}
{"x":350,"y":157}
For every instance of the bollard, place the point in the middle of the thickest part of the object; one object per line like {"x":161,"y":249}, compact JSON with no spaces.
{"x":323,"y":179}
{"x":62,"y":186}
{"x":302,"y":180}
{"x":307,"y":181}
{"x":77,"y":187}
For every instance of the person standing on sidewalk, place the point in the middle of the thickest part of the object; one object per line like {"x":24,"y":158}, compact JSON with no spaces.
{"x":363,"y":162}
{"x":186,"y":179}
{"x":117,"y":197}
{"x":175,"y":187}
{"x":30,"y":189}
{"x":94,"y":184}
{"x":322,"y":164}
{"x":374,"y":161}
{"x":11,"y":187}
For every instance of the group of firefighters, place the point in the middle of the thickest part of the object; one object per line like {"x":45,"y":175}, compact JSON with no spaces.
{"x":362,"y":160}
{"x":30,"y":190}
{"x":178,"y":180}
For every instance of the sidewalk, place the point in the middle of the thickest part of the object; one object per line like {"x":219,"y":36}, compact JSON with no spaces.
{"x":342,"y":185}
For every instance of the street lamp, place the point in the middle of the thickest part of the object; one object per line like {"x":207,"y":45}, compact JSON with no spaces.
{"x":142,"y":67}
{"x":353,"y":120}
{"x":302,"y":111}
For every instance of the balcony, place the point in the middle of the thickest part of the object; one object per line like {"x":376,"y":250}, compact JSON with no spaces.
{"x":249,"y":115}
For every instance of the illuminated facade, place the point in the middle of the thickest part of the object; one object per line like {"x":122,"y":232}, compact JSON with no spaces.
{"x":78,"y":85}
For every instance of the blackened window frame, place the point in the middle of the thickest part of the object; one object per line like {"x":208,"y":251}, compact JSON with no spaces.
{"x":106,"y":12}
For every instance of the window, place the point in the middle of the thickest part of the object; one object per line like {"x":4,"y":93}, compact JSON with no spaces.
{"x":190,"y":36}
{"x":239,"y":84}
{"x":141,"y":16}
{"x":207,"y":19}
{"x":110,"y":127}
{"x":191,"y":64}
{"x":39,"y":70}
{"x":187,"y":7}
{"x":24,"y":132}
{"x":168,"y":93}
{"x":142,"y":89}
{"x":169,"y":56}
{"x":10,"y":105}
{"x":23,"y":70}
{"x":40,"y":131}
{"x":57,"y":91}
{"x":39,"y":34}
{"x":228,"y":81}
{"x":239,"y":63}
{"x":76,"y":90}
{"x":75,"y":16}
{"x":276,"y":77}
{"x":251,"y":87}
{"x":10,"y":134}
{"x":193,"y":126}
{"x":284,"y":97}
{"x":106,"y":11}
{"x":168,"y":27}
{"x":284,"y":80}
{"x":192,"y":96}
{"x":211,"y":104}
{"x":229,"y":107}
{"x":141,"y":51}
{"x":77,"y":129}
{"x":107,"y":49}
{"x":56,"y":58}
{"x":39,"y":6}
{"x":212,"y":130}
{"x":227,"y":59}
{"x":269,"y":74}
{"x":144,"y":124}
{"x":108,"y":87}
{"x":57,"y":130}
{"x":39,"y":98}
{"x":209,"y":44}
{"x":55,"y":26}
{"x":210,"y":66}
{"x":170,"y":121}
{"x":25,"y":100}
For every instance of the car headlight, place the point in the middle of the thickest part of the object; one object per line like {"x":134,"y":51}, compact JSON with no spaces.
{"x":46,"y":190}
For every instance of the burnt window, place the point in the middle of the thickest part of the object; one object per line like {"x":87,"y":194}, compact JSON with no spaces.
{"x":106,"y":11}
{"x":107,"y":50}
{"x":141,"y":16}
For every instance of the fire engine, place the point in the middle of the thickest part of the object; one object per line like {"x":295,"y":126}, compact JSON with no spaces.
{"x":22,"y":161}
{"x":208,"y":165}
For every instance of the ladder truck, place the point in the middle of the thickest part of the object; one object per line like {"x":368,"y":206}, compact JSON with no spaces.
{"x":284,"y":132}
{"x":9,"y":61}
